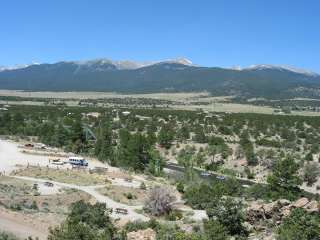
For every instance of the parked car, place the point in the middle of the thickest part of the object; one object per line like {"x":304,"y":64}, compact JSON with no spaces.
{"x":78,"y":161}
{"x":56,"y":161}
{"x":221,"y":177}
{"x":48,"y":184}
{"x":29,"y":145}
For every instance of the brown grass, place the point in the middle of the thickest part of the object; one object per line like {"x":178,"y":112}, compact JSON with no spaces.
{"x":120,"y":193}
{"x":74,"y":176}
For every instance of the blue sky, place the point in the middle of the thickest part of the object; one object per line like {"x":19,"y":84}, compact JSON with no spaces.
{"x":208,"y":32}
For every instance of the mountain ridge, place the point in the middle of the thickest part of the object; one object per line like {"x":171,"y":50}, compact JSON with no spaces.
{"x":173,"y":75}
{"x":131,"y":64}
{"x":120,"y":64}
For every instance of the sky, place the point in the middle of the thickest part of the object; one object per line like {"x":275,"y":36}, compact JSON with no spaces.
{"x":222,"y":33}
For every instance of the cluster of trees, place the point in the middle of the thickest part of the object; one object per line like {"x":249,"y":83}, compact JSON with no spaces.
{"x":300,"y":225}
{"x":206,"y":196}
{"x":134,"y":151}
{"x":248,"y":149}
{"x":86,"y":222}
{"x":285,"y":180}
{"x":54,"y":125}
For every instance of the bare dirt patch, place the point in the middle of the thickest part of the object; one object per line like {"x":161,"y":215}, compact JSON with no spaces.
{"x":126,"y":195}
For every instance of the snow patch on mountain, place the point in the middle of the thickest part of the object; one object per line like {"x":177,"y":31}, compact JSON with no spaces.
{"x":278,"y":67}
{"x":128,"y":64}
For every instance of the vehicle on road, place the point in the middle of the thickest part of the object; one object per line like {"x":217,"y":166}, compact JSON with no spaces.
{"x":221,"y":177}
{"x":78,"y":161}
{"x":205,"y":174}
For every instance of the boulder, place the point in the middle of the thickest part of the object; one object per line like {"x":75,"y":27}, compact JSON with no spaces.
{"x":285,"y":211}
{"x":270,"y":209}
{"x":255,"y":211}
{"x":248,"y":226}
{"x":300,"y":203}
{"x":283,"y":202}
{"x":312,"y":206}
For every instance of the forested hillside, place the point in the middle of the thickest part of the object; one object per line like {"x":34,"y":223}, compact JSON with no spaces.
{"x":268,"y":82}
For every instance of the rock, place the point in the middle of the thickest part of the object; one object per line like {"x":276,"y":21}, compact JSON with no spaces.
{"x":255,"y":212}
{"x":147,"y":234}
{"x":285,"y":211}
{"x":260,"y":228}
{"x":283,"y":202}
{"x":270,"y":209}
{"x":312,"y":206}
{"x":248,"y":226}
{"x":300,"y":203}
{"x":260,"y":215}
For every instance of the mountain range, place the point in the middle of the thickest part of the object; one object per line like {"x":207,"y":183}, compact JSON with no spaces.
{"x":176,"y":75}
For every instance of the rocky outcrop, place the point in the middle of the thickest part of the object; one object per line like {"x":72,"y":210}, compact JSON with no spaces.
{"x":277,"y":210}
{"x":147,"y":234}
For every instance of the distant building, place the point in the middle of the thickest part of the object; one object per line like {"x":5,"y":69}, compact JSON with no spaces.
{"x":125,"y":113}
{"x":143,"y":117}
{"x":93,"y":114}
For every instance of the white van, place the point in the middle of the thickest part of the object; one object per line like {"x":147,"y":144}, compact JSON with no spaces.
{"x":78,"y":161}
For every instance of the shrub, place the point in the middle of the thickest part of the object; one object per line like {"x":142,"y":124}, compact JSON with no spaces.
{"x":174,"y":215}
{"x":143,"y":186}
{"x":129,"y":195}
{"x":180,"y":187}
{"x":159,"y":201}
{"x":300,"y":225}
{"x":34,"y":205}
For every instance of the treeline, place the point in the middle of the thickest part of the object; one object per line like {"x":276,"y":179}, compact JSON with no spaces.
{"x":146,"y":129}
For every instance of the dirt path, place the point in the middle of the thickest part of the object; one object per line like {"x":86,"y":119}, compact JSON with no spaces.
{"x":132,"y":214}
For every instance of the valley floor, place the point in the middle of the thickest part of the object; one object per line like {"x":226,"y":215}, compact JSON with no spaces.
{"x":177,"y":101}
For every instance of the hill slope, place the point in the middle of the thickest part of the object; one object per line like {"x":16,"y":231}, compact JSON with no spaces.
{"x":168,"y":76}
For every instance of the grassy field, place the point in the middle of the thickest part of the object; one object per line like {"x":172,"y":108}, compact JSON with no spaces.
{"x":99,"y":95}
{"x":190,"y":101}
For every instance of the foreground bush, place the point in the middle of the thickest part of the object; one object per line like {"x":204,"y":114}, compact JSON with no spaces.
{"x":160,"y":201}
{"x":85,"y":222}
{"x":300,"y":225}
